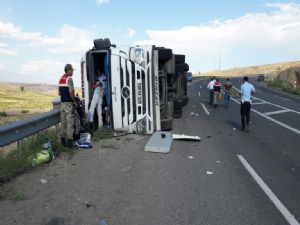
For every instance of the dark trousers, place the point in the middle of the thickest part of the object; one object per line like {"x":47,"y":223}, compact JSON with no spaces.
{"x":245,"y":114}
{"x":211,"y":96}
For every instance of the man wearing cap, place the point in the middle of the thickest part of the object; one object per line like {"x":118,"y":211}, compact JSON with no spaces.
{"x":67,"y":106}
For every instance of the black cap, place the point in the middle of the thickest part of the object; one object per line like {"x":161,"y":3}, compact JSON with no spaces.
{"x":68,"y":67}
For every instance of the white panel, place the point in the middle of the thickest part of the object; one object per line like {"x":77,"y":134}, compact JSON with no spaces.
{"x":125,"y":117}
{"x":129,"y":68}
{"x":156,"y":90}
{"x":116,"y":92}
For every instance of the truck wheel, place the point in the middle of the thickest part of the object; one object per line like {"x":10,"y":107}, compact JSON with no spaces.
{"x":177,"y":113}
{"x":179,"y":59}
{"x":182,"y":67}
{"x":164,"y":54}
{"x":178,"y":103}
{"x":185,"y":100}
{"x":102,"y":43}
{"x":166,"y":124}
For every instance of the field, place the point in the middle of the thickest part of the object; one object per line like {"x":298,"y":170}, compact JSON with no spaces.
{"x":22,"y":100}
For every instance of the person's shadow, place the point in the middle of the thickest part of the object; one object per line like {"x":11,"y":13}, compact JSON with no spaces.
{"x":234,"y":124}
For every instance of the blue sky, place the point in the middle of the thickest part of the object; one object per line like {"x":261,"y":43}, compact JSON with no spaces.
{"x":37,"y":38}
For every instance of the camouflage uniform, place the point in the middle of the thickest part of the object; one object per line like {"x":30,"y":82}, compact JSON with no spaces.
{"x":67,"y":115}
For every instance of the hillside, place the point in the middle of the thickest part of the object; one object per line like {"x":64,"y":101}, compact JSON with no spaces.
{"x":273,"y":69}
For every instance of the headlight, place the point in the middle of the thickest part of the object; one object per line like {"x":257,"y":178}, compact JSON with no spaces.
{"x":139,"y":56}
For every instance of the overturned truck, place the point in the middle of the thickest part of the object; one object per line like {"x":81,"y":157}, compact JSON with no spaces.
{"x":147,"y":86}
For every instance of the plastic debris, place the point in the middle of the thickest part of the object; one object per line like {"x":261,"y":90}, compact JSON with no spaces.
{"x":85,"y":137}
{"x":43,"y":181}
{"x":194,"y":114}
{"x":185,"y":137}
{"x":103,"y":222}
{"x":42,"y":156}
{"x":209,"y":172}
{"x":191,"y":157}
{"x":218,"y":161}
{"x":82,"y":144}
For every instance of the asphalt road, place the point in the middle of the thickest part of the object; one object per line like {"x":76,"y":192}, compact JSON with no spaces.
{"x":197,"y":183}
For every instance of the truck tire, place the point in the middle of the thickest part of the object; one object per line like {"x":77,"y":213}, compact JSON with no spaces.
{"x":170,"y":66}
{"x":178,"y":103}
{"x":177,"y":113}
{"x":164,"y":54}
{"x":185,"y":100}
{"x":102,"y":43}
{"x":179,"y":59}
{"x":182,"y":67}
{"x":166,"y":124}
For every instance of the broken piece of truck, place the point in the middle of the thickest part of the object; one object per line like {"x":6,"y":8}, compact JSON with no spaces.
{"x":147,"y":85}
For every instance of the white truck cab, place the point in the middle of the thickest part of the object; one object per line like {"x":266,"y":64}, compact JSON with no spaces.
{"x":138,"y":99}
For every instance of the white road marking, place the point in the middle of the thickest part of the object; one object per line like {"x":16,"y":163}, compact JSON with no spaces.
{"x":273,"y":120}
{"x":285,"y":99}
{"x":279,"y":106}
{"x":199,"y":94}
{"x":283,"y":210}
{"x":277,"y":112}
{"x":205,"y":109}
{"x":258,"y":103}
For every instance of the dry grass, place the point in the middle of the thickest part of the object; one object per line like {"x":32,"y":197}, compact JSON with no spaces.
{"x":272,"y":69}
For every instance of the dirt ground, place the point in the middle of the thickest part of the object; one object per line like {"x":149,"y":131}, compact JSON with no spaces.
{"x":65,"y":189}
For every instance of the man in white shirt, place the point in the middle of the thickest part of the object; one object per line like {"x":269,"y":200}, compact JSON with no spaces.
{"x":247,"y":91}
{"x":210,"y":88}
{"x":100,"y":90}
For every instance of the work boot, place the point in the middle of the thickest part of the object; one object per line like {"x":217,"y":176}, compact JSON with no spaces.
{"x":63,"y":141}
{"x":69,"y":143}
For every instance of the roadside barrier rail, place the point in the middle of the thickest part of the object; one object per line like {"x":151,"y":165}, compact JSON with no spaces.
{"x":12,"y":132}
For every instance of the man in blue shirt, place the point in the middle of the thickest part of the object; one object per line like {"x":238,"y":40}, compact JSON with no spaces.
{"x":247,"y":91}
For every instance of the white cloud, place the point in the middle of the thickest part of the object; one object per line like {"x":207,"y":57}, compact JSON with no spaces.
{"x":73,"y":39}
{"x":131,"y":32}
{"x":5,"y":51}
{"x":9,"y":30}
{"x":69,"y":40}
{"x":252,"y":38}
{"x":47,"y":71}
{"x":100,"y":2}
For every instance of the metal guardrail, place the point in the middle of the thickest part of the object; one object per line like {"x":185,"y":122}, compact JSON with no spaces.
{"x":18,"y":130}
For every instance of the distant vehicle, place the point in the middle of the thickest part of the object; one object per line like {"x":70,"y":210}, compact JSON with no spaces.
{"x":189,"y":76}
{"x":261,"y":77}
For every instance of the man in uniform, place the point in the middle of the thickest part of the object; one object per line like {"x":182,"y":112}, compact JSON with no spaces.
{"x":67,"y":107}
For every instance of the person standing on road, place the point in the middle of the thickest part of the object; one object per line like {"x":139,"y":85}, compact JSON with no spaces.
{"x":227,"y":89}
{"x":97,"y":101}
{"x":67,"y":107}
{"x":247,"y":92}
{"x":217,"y":92}
{"x":210,"y":88}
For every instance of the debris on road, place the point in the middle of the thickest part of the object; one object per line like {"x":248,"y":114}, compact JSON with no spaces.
{"x":185,"y":137}
{"x":194,"y":114}
{"x":43,"y":181}
{"x":126,"y":169}
{"x":159,"y":142}
{"x":218,"y":161}
{"x":209,"y":172}
{"x":191,"y":157}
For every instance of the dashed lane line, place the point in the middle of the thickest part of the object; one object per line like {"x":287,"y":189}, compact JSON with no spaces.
{"x":282,"y":209}
{"x":205,"y":109}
